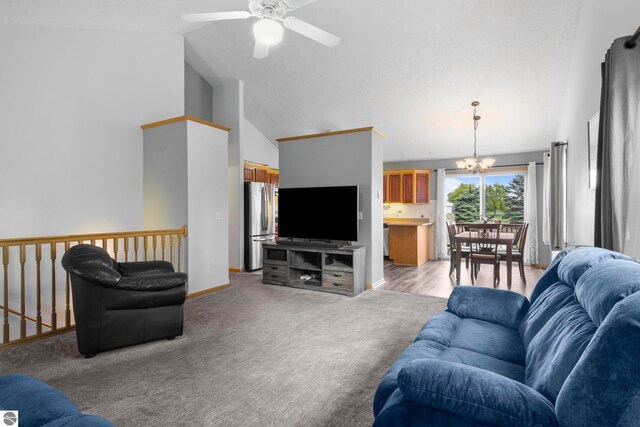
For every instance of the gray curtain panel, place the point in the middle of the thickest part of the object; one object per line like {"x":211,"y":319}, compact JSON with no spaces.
{"x":617,"y":219}
{"x":557,"y":203}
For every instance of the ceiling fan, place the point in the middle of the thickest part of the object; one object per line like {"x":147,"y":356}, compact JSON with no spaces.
{"x":268,"y":31}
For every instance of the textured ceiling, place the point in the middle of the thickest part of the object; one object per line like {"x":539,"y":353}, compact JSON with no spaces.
{"x":409,"y":67}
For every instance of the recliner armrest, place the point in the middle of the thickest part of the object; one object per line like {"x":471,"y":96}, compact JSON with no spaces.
{"x":474,"y":393}
{"x":152,"y":282}
{"x":492,"y":305}
{"x":144,"y":267}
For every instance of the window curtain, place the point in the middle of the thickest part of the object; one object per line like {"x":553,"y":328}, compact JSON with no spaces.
{"x":531,"y":215}
{"x":617,"y":223}
{"x":441,"y":217}
{"x":557,"y":200}
{"x":546,"y":233}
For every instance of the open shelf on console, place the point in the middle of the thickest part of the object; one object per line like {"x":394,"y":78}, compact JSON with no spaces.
{"x":336,"y":270}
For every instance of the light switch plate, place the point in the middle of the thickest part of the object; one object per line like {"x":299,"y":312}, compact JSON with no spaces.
{"x":360,"y":215}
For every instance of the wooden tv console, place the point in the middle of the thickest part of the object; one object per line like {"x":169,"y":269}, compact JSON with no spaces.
{"x":337,"y":270}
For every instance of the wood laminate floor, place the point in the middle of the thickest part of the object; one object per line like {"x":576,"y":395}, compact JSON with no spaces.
{"x":432,"y":278}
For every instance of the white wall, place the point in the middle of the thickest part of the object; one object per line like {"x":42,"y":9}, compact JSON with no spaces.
{"x":347,"y":159}
{"x":228,"y":107}
{"x":208,"y":240}
{"x":257,"y":147}
{"x":70,"y":143}
{"x":600,"y":23}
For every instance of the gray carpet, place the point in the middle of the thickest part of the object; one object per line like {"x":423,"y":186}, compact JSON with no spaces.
{"x":250,"y":355}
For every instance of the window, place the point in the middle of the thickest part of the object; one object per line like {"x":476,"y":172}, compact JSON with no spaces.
{"x":490,"y":196}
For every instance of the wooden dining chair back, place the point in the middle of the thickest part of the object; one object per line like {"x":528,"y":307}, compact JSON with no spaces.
{"x":519,"y":244}
{"x":484,"y":249}
{"x":452,"y":230}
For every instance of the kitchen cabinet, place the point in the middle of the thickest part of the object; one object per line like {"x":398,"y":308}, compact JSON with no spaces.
{"x":256,"y":172}
{"x":385,"y":188}
{"x":273,"y":176}
{"x":407,"y":186}
{"x":395,"y":188}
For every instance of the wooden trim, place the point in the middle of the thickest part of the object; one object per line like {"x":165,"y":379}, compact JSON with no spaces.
{"x":234,"y":270}
{"x":182,"y":118}
{"x":84,"y":237}
{"x":392,"y":172}
{"x":32,"y":338}
{"x":338,"y":132}
{"x":208,"y":291}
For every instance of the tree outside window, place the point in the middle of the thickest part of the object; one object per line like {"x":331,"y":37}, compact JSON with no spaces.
{"x":502,"y":198}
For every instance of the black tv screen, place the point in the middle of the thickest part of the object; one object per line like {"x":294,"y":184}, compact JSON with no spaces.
{"x":319,"y":213}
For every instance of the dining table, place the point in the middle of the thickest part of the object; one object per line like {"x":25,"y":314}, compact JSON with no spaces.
{"x":467,"y":237}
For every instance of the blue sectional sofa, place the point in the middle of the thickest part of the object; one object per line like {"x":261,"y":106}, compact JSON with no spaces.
{"x":39,"y":404}
{"x":569,"y":356}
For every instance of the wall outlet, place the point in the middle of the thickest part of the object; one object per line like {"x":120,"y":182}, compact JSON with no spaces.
{"x":360,"y":215}
{"x":219,"y":216}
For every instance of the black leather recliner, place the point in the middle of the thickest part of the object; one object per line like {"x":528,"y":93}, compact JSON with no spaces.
{"x":120,"y":304}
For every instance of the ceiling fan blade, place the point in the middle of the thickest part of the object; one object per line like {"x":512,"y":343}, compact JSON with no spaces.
{"x":215,"y":16}
{"x":260,"y":51}
{"x":311,"y":31}
{"x":295,"y":4}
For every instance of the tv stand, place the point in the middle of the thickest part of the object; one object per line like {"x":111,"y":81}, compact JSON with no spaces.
{"x":309,"y":266}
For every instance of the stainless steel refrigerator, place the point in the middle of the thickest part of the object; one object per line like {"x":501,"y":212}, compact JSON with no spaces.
{"x":259,"y":221}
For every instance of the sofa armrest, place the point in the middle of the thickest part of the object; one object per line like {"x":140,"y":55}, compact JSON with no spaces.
{"x":492,"y":305}
{"x":474,"y":393}
{"x":152,"y":282}
{"x":144,"y":267}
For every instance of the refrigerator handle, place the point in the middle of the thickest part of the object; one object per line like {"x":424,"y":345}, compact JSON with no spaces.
{"x":263,"y":211}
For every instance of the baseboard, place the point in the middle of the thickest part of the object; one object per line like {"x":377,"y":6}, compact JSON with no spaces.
{"x":378,"y":285}
{"x":234,"y":270}
{"x":32,"y":338}
{"x":543,"y":266}
{"x":208,"y":291}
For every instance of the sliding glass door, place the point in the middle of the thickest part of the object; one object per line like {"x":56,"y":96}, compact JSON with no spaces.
{"x":497,"y":195}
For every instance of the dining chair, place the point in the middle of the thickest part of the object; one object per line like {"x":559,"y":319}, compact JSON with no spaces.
{"x":517,"y":254}
{"x":483,"y":251}
{"x":464,"y":252}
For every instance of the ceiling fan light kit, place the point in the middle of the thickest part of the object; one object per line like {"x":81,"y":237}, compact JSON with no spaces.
{"x":269,"y":30}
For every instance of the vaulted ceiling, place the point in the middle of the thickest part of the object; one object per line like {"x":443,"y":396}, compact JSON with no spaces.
{"x":409,"y":67}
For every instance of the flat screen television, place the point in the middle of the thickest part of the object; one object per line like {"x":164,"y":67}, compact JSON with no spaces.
{"x":318,"y":213}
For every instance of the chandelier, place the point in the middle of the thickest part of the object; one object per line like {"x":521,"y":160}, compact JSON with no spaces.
{"x":472,"y":164}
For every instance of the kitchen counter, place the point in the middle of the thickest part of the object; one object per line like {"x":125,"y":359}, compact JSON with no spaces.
{"x":408,"y":240}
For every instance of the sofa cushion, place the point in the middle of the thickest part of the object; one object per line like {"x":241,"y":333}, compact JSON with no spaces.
{"x":423,"y":349}
{"x":440,"y":328}
{"x":621,"y":278}
{"x":604,"y":387}
{"x":37,"y":402}
{"x":556,"y":349}
{"x":545,"y":306}
{"x":490,"y":339}
{"x":476,"y":394}
{"x":482,"y":361}
{"x":579,"y":260}
{"x":496,"y":306}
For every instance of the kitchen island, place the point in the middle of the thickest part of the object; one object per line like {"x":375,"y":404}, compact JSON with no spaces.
{"x":408,"y":240}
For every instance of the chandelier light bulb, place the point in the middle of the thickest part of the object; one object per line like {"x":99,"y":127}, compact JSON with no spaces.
{"x":268,"y":32}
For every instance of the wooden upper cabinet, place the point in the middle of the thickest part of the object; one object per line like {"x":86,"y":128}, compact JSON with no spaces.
{"x":254,"y":172}
{"x":249,"y":174}
{"x":261,"y":175}
{"x":395,"y":188}
{"x":407,"y":186}
{"x":385,"y":188}
{"x":273,"y":176}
